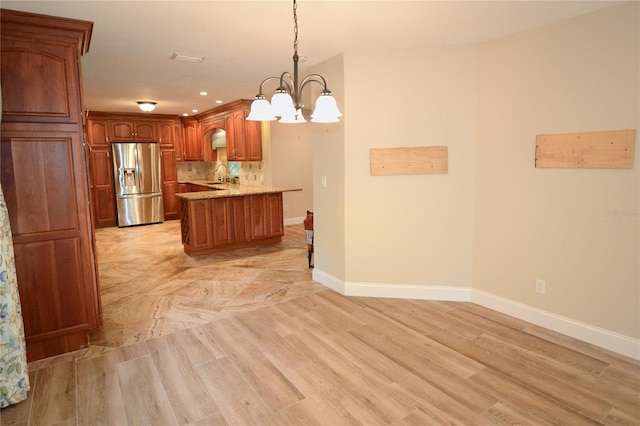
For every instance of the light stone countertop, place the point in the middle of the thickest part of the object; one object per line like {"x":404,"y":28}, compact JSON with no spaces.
{"x":224,"y":190}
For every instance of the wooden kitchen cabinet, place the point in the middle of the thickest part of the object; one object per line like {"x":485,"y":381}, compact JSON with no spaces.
{"x":101,"y":187}
{"x":101,"y":128}
{"x":44,"y":179}
{"x":192,"y":141}
{"x":266,"y":215}
{"x":100,"y":170}
{"x":99,"y":133}
{"x":236,"y":136}
{"x":166,"y":134}
{"x":244,"y":138}
{"x":253,"y":132}
{"x":230,"y":222}
{"x":195,"y":220}
{"x":169,"y":184}
{"x":139,"y":131}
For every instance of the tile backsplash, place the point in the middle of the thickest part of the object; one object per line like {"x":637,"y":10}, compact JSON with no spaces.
{"x":252,"y":173}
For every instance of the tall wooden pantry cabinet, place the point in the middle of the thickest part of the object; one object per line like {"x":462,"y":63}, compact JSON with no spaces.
{"x":44,"y":179}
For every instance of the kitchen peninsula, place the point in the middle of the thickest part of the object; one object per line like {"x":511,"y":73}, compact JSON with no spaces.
{"x":216,"y":217}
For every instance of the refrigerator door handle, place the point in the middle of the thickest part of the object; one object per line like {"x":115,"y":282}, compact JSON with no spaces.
{"x":148,"y":195}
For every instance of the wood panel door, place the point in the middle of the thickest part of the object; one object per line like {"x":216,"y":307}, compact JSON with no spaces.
{"x":200,"y":224}
{"x":275,"y":220}
{"x":43,"y":174}
{"x":102,"y":187}
{"x":169,"y":184}
{"x":98,"y":133}
{"x":45,"y":190}
{"x":240,"y":211}
{"x":259,"y":217}
{"x":166,"y":134}
{"x":145,"y":131}
{"x":240,"y":135}
{"x":122,"y":130}
{"x":222,"y":220}
{"x":126,"y":130}
{"x":192,"y":142}
{"x":254,"y":140}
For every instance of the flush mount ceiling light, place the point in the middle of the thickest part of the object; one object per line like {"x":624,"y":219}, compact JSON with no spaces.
{"x":286,"y":103}
{"x":147,"y":106}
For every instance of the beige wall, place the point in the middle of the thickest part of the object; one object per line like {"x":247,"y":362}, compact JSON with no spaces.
{"x":292,"y":167}
{"x":494,"y":224}
{"x":556,"y":224}
{"x":411,"y":229}
{"x":329,"y":162}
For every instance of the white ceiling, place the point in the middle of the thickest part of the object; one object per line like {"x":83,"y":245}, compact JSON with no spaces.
{"x":246,"y":41}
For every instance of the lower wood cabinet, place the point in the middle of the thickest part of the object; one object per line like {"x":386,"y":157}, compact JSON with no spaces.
{"x":101,"y":187}
{"x":213,"y":225}
{"x":43,"y":176}
{"x":170,"y":186}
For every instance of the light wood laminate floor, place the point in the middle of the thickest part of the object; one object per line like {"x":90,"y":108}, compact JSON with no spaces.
{"x":246,"y":338}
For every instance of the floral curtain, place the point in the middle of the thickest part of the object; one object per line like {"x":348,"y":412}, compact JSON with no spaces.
{"x":14,"y":377}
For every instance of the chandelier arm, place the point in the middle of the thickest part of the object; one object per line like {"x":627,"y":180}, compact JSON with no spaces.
{"x":265,"y":81}
{"x":314,"y":78}
{"x":288,"y":85}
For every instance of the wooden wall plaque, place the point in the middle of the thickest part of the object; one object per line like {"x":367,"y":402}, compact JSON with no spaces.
{"x":612,"y":149}
{"x":409,"y":161}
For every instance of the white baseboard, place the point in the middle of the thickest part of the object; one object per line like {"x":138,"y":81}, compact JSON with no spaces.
{"x":328,"y":280}
{"x":409,"y":291}
{"x":606,"y":339}
{"x":601,"y":337}
{"x":293,"y":220}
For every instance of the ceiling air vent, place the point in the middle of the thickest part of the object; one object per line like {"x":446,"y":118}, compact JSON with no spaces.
{"x":187,"y":58}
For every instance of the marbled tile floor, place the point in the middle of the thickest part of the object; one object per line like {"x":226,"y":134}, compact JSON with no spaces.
{"x":150,"y":287}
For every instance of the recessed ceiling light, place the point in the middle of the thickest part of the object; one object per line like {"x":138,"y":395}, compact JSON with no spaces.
{"x":218,"y":101}
{"x":204,"y":93}
{"x":186,"y":58}
{"x":185,"y":114}
{"x":194,"y":110}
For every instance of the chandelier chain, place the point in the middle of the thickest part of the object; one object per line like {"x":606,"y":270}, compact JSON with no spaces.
{"x":295,"y":27}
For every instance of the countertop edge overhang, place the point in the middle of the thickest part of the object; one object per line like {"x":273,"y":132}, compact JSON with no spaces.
{"x":225,"y":190}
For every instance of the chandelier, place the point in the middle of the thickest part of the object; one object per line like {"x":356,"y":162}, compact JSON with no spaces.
{"x":286,"y":102}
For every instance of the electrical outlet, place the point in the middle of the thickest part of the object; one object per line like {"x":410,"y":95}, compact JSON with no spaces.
{"x":541,"y":286}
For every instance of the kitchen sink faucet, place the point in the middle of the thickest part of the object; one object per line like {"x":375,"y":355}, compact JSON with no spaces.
{"x":220,"y":176}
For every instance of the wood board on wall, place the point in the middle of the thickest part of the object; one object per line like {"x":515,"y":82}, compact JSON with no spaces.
{"x":611,"y":149}
{"x":409,"y":161}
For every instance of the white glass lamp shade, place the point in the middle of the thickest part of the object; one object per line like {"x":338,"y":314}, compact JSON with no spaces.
{"x":296,"y":118}
{"x":282,"y":104}
{"x":326,"y":110}
{"x":260,"y":110}
{"x":146,"y":106}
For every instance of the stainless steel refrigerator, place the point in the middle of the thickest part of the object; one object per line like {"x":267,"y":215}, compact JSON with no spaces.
{"x":138,"y":183}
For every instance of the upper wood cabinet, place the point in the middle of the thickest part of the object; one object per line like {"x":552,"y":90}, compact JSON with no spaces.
{"x":167,"y":134}
{"x":98,"y":133}
{"x":192,"y":141}
{"x":244,"y":138}
{"x":142,"y":131}
{"x":44,"y":179}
